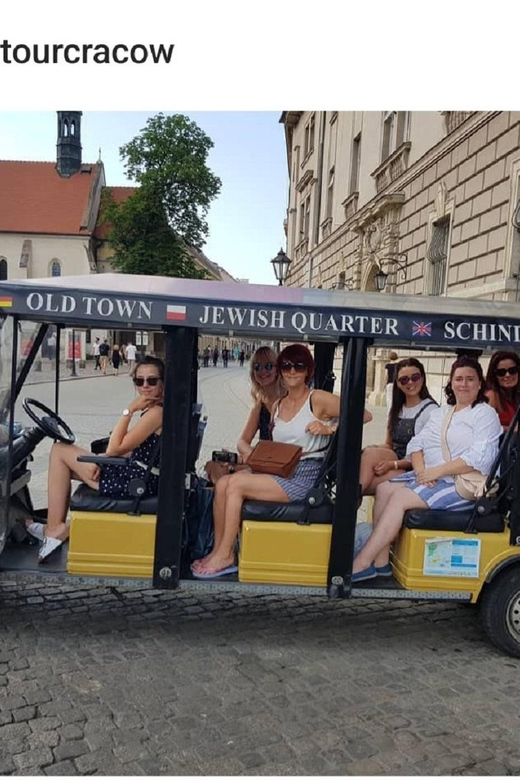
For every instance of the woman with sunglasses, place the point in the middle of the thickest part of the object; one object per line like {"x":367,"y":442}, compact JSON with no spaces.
{"x":503,"y":387}
{"x":266,"y":388}
{"x":471,"y":436}
{"x":303,"y":417}
{"x":138,"y":442}
{"x":410,"y":410}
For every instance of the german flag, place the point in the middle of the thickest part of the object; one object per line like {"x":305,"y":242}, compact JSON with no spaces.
{"x":6,"y":301}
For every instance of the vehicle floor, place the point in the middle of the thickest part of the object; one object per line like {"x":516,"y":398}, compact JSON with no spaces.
{"x":22,"y":557}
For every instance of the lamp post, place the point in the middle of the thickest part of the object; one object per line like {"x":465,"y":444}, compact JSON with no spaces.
{"x":281,"y":265}
{"x":401,"y":262}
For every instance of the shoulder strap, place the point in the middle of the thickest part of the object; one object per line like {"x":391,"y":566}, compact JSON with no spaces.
{"x":423,"y":408}
{"x":444,"y":441}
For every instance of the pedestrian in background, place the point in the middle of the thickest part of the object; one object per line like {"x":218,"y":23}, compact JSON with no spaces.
{"x":225,"y":357}
{"x":104,"y":352}
{"x":390,"y":376}
{"x":95,"y":353}
{"x":130,"y":353}
{"x":215,"y":357}
{"x":116,"y":359}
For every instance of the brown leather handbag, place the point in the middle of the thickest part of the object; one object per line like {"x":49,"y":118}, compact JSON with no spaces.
{"x":274,"y":457}
{"x":215,"y":469}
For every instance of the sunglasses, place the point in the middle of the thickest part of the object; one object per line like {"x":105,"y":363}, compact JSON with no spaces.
{"x":513,"y":370}
{"x":403,"y":380}
{"x":139,"y":381}
{"x":266,"y":366}
{"x":299,"y":366}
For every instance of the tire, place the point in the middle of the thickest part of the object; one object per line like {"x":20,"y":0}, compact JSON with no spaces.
{"x":500,"y":611}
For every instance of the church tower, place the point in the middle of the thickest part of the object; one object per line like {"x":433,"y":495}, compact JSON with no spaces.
{"x":68,"y":147}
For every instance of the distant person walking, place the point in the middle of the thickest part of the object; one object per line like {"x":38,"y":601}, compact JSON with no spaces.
{"x":104,"y":352}
{"x":241,"y":358}
{"x":116,"y":359}
{"x":130,"y":354}
{"x":205,"y":357}
{"x":225,"y":357}
{"x":391,"y":368}
{"x":215,"y":357}
{"x":95,"y":354}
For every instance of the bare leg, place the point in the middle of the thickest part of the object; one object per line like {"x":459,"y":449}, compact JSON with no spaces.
{"x":63,"y":467}
{"x":240,"y":486}
{"x":387,"y":528}
{"x":371,"y":457}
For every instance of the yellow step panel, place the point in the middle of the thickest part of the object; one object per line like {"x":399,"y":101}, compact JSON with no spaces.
{"x":111,"y":544}
{"x":284,"y":553}
{"x":429,"y":560}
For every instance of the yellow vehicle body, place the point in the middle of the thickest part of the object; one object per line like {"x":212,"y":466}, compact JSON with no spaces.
{"x":111,"y":544}
{"x":284,"y":553}
{"x":410,"y":559}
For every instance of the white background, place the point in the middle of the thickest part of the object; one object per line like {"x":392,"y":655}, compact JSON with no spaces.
{"x":272,"y":55}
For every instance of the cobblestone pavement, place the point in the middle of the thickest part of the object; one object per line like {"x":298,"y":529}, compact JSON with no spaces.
{"x":98,"y":680}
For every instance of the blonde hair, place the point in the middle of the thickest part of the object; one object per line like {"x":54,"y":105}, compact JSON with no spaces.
{"x":269,"y":356}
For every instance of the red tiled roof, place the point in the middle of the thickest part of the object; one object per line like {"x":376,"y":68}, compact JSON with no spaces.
{"x":119,"y":194}
{"x":34,"y":198}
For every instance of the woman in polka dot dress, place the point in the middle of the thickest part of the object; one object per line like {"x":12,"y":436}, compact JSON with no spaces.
{"x":136,"y":442}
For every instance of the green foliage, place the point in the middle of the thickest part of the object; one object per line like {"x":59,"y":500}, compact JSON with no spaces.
{"x":151,"y":230}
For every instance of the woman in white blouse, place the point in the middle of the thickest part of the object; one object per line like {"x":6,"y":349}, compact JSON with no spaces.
{"x":472,"y":438}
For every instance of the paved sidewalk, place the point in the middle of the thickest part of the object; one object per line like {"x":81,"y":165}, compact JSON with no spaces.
{"x":97,"y":680}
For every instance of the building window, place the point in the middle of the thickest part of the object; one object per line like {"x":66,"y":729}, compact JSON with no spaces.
{"x":309,"y":137}
{"x":55,"y":268}
{"x":354,"y":167}
{"x":394,"y":132}
{"x":438,"y":256}
{"x":330,"y":193}
{"x":3,"y":269}
{"x":305,"y":218}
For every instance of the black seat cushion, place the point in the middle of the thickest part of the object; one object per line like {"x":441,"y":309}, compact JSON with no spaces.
{"x":292,"y":512}
{"x":444,"y":520}
{"x":85,"y":499}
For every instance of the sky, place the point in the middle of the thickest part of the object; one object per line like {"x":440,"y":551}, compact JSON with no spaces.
{"x":245,"y":220}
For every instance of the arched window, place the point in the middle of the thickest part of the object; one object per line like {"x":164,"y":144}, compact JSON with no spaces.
{"x":55,"y":268}
{"x":73,"y":128}
{"x":3,"y":269}
{"x":65,"y":128}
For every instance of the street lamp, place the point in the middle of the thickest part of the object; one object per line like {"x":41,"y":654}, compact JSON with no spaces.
{"x":381,"y":277}
{"x":380,"y":280}
{"x":281,"y":265}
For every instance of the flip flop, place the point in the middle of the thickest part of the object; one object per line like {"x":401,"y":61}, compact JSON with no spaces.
{"x":37,"y":530}
{"x":211,"y":574}
{"x":50,"y":545}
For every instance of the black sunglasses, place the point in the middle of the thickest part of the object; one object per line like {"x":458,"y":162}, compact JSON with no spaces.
{"x":259,"y":366}
{"x":403,"y":380}
{"x":513,"y":370}
{"x":299,"y":366}
{"x":139,"y":381}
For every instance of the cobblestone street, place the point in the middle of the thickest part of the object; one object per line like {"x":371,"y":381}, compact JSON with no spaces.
{"x":132,"y":681}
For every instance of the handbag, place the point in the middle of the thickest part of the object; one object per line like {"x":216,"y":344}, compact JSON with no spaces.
{"x":472,"y":484}
{"x":274,"y":457}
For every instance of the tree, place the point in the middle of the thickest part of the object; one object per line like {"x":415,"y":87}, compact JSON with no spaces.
{"x":151,"y":231}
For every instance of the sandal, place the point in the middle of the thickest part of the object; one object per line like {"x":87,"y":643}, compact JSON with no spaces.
{"x":50,"y":545}
{"x":36,"y":529}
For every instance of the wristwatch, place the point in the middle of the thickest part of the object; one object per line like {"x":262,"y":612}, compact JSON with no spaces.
{"x":126,"y":412}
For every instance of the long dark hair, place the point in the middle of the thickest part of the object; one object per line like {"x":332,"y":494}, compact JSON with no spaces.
{"x":398,"y":397}
{"x":466,"y":361}
{"x":504,"y":396}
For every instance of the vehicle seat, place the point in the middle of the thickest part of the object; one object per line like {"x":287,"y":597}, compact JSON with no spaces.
{"x":444,"y":520}
{"x":85,"y":499}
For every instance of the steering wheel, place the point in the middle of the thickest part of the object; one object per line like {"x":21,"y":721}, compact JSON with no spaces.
{"x":50,"y":424}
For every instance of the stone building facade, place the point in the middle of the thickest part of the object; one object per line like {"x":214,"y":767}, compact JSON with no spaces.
{"x":430,"y":198}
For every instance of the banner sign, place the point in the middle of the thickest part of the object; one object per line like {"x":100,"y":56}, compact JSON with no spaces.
{"x":292,"y":321}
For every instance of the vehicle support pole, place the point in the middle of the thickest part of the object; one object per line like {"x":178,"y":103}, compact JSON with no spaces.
{"x":172,"y":480}
{"x":324,"y":359}
{"x":350,"y":436}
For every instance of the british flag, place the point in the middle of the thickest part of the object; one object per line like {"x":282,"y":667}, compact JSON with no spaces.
{"x":421,"y":329}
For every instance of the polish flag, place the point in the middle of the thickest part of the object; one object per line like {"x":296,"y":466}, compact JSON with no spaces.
{"x":175,"y":312}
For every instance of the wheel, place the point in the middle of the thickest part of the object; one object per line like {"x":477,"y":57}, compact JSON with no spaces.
{"x":500,"y":611}
{"x":51,"y":425}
